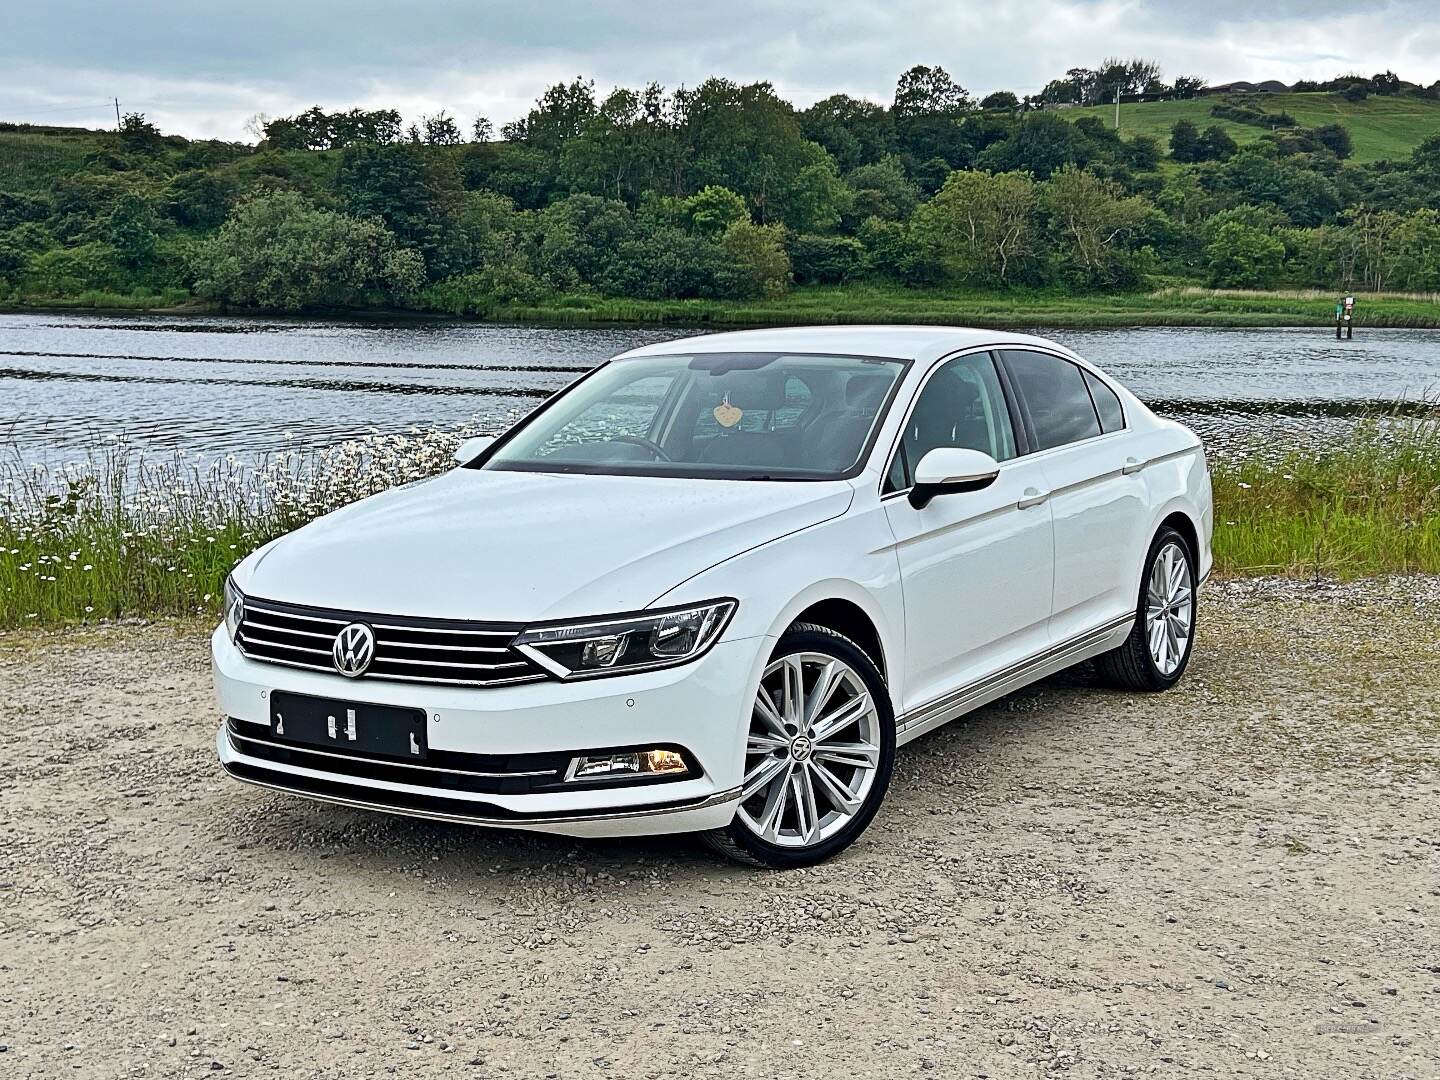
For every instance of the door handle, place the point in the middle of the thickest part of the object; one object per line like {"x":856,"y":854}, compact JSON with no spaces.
{"x":1033,"y":497}
{"x":1132,"y":465}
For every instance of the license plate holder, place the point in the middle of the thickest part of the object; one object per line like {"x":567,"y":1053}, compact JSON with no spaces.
{"x":348,"y":727}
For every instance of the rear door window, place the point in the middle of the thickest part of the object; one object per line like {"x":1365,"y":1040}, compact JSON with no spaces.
{"x":1054,"y":396}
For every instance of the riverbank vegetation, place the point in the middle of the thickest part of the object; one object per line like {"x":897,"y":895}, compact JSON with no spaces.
{"x":724,"y":203}
{"x":121,"y":537}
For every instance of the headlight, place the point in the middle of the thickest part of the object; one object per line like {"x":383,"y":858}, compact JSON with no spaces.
{"x":234,"y":609}
{"x":617,"y":646}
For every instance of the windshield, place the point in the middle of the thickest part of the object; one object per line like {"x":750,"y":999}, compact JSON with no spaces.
{"x":726,"y":415}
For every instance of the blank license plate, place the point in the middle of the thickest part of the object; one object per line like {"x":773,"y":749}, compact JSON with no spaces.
{"x":348,"y":726}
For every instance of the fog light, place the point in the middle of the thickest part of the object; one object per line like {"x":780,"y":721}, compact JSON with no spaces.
{"x":638,"y":763}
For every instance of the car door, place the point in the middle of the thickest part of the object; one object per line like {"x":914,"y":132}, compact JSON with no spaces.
{"x":975,"y":568}
{"x":1097,"y":498}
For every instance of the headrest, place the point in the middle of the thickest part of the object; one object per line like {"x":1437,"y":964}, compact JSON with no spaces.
{"x":865,"y":391}
{"x":751,"y":389}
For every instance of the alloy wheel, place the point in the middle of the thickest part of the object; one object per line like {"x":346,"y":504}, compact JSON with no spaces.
{"x":1169,"y":608}
{"x":811,"y":753}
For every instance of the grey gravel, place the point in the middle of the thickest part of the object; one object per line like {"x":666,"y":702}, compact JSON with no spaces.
{"x":1238,"y":878}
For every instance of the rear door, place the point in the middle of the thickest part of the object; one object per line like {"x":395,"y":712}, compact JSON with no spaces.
{"x":975,"y":567}
{"x":1097,"y":499}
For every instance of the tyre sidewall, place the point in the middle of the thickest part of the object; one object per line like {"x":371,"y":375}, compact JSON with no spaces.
{"x":832,"y":644}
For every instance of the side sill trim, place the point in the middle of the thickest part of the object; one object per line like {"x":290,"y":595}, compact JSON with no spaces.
{"x":959,"y":696}
{"x":728,"y":795}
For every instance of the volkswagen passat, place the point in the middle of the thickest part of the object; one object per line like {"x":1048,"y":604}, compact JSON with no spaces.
{"x":713,"y":585}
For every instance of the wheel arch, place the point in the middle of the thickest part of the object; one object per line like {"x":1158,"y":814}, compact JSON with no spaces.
{"x":850,"y":611}
{"x":1184,"y":524}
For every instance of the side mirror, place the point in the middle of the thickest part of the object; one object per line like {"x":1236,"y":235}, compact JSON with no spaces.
{"x":947,"y":470}
{"x":470,"y":449}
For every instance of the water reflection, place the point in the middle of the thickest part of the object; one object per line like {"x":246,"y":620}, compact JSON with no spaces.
{"x":215,"y":385}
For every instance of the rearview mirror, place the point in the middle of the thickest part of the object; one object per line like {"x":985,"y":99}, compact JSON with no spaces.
{"x":947,"y":470}
{"x":470,"y":449}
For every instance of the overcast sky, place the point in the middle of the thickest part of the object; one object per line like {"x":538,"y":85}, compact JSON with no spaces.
{"x":200,"y":68}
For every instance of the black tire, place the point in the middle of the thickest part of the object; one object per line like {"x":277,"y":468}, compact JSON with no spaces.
{"x":1131,"y":666}
{"x":738,"y":841}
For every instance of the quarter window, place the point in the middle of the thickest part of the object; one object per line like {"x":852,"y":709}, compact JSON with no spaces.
{"x":1107,"y":404}
{"x":1054,"y":396}
{"x":961,"y":405}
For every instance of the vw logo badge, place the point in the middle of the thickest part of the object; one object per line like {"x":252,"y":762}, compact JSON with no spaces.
{"x":354,"y":649}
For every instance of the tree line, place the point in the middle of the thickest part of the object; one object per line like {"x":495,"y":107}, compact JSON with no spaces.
{"x":723,"y":191}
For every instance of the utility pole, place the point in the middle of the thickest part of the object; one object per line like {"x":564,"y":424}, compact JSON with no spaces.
{"x":1117,"y":106}
{"x":117,"y":114}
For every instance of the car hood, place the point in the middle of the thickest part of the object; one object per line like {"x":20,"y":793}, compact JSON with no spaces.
{"x":523,"y":546}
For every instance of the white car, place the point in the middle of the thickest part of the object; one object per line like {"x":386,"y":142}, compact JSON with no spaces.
{"x":712,"y":585}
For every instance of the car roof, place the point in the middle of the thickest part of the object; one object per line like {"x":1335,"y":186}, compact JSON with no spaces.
{"x":899,"y":342}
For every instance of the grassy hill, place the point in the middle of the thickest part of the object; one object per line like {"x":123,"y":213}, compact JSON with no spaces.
{"x":1381,"y":127}
{"x":31,"y":158}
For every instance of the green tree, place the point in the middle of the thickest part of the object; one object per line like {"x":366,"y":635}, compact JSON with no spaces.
{"x":712,"y":210}
{"x":1040,"y":144}
{"x":1243,"y":256}
{"x":929,"y":106}
{"x":139,"y":136}
{"x":416,"y":191}
{"x":131,"y":231}
{"x":881,"y":190}
{"x":1095,"y":229}
{"x":1185,"y":143}
{"x":279,"y":252}
{"x":1003,"y":100}
{"x":982,"y":228}
{"x":1216,"y":144}
{"x":825,"y":260}
{"x":753,"y":262}
{"x":559,"y":114}
{"x":441,"y":130}
{"x":854,"y":132}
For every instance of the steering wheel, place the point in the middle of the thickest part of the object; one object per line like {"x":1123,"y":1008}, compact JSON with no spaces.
{"x":640,"y":440}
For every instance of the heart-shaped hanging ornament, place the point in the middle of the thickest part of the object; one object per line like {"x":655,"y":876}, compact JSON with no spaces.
{"x":727,"y":415}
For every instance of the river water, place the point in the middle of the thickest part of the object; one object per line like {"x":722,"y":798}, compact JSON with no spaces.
{"x":217,"y":385}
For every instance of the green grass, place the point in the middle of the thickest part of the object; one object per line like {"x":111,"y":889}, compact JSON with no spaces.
{"x":1369,"y":505}
{"x":119,"y":537}
{"x":32,"y":161}
{"x":1170,"y":306}
{"x":1381,"y":127}
{"x":1173,"y":305}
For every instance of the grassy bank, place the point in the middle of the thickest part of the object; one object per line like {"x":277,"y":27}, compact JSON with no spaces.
{"x":120,"y":537}
{"x":1381,"y":127}
{"x":1173,"y":305}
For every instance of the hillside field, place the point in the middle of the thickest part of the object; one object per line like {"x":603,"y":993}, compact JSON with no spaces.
{"x":1382,"y":127}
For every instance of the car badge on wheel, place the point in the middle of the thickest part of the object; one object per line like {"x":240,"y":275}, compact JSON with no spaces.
{"x":354,"y":649}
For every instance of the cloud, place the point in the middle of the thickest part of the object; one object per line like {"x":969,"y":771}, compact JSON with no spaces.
{"x":201,"y":68}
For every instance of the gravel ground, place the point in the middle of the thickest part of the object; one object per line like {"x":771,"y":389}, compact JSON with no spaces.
{"x":1238,"y":878}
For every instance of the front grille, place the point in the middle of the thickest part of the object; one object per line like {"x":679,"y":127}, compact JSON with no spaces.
{"x":408,"y":649}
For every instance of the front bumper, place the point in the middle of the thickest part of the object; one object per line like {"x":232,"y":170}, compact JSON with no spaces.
{"x":703,"y":707}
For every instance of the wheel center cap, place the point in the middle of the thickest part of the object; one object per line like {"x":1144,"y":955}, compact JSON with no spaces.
{"x":801,"y":747}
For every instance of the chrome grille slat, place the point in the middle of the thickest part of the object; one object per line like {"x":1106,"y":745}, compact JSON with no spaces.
{"x":446,"y":630}
{"x":448,"y":663}
{"x":283,"y":645}
{"x":253,"y":624}
{"x":406,"y":649}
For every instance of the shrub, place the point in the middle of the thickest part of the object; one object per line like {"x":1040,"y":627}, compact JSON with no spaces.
{"x":278,"y":252}
{"x":825,"y":260}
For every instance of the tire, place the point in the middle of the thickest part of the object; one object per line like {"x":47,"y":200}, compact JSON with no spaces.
{"x":1153,"y":660}
{"x":816,"y":770}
